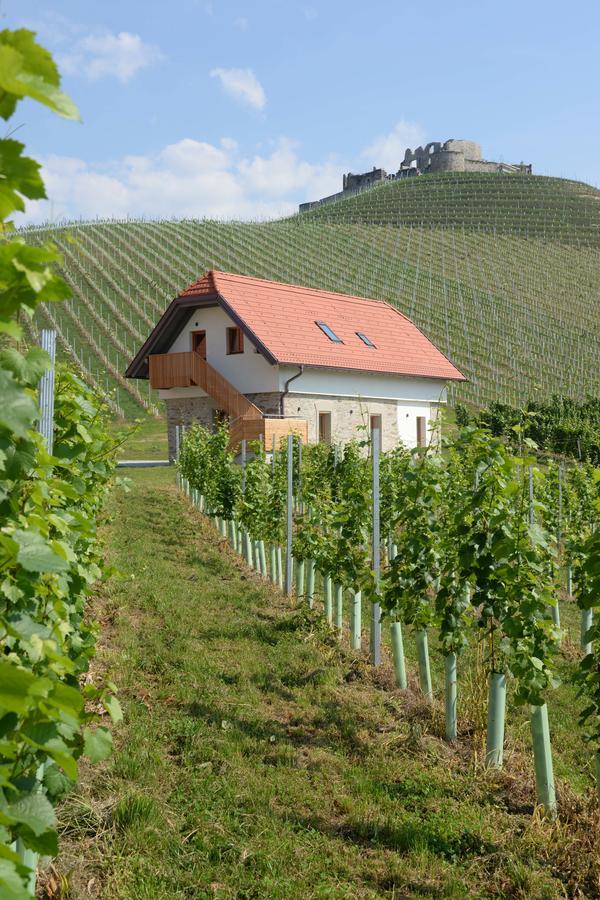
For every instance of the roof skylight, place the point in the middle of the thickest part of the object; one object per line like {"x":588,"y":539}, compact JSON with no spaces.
{"x":329,"y":332}
{"x":366,"y":340}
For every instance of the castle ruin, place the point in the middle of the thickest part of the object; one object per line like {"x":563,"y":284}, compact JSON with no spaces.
{"x":450,"y":156}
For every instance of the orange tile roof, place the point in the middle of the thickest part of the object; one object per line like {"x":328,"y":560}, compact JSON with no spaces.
{"x":283,"y":317}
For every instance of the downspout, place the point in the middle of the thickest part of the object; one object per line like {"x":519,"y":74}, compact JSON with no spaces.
{"x":286,"y":388}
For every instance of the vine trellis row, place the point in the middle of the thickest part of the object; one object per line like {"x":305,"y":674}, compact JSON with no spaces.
{"x":464,"y":536}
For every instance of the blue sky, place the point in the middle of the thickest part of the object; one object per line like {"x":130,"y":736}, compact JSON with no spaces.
{"x":233,"y":109}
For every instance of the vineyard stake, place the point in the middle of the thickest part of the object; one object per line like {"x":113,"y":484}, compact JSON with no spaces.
{"x":243,"y":465}
{"x":542,"y":758}
{"x":398,"y":654}
{"x":355,"y":620}
{"x":423,"y":661}
{"x":46,"y":390}
{"x":495,"y":725}
{"x":597,"y":767}
{"x":290,"y":520}
{"x":273,"y":562}
{"x":376,"y":551}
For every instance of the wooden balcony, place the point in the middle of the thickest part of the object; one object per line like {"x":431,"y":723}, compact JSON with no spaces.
{"x":169,"y":370}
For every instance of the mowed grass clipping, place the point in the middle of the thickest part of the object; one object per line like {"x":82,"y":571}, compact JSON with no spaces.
{"x":259,"y":758}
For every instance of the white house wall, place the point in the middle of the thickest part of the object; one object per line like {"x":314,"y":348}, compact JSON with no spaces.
{"x":249,"y":371}
{"x":340,"y":383}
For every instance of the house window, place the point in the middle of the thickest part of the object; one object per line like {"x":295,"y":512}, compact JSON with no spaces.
{"x":235,"y":340}
{"x":365,"y":339}
{"x":325,"y":428}
{"x":421,"y":431}
{"x":329,"y":332}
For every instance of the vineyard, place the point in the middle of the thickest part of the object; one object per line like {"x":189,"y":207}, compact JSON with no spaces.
{"x":501,"y":272}
{"x":470,"y":543}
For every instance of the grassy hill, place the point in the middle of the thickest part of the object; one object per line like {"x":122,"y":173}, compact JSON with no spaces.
{"x":501,"y":271}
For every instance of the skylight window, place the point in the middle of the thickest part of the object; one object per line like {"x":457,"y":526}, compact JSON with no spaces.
{"x":366,"y":340}
{"x":329,"y":332}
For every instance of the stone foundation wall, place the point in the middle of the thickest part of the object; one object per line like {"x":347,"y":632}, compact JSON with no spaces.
{"x":267,"y":402}
{"x":187,"y":411}
{"x":347,"y":415}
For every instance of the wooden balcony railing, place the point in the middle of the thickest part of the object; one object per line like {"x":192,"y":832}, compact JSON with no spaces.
{"x":267,"y":429}
{"x":168,"y":370}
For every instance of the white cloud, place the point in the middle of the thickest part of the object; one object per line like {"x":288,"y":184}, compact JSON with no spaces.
{"x":243,"y":85}
{"x":387,"y":150}
{"x":102,"y":54}
{"x":188,"y":178}
{"x":241,"y":22}
{"x":198,"y":179}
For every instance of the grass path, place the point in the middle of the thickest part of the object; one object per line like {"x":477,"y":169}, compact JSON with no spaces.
{"x":258,"y":759}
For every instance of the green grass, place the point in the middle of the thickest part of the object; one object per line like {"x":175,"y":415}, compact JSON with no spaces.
{"x":501,"y":272}
{"x":260,"y":758}
{"x":147,"y":439}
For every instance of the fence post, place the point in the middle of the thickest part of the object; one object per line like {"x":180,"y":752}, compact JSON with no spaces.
{"x":290,"y":501}
{"x":243,"y":465}
{"x":299,"y":484}
{"x":46,"y":390}
{"x":376,"y":551}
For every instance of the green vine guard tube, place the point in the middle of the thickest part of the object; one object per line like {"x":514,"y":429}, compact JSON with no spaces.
{"x":338,"y":591}
{"x":327,"y":598}
{"x":542,"y":758}
{"x":355,"y":620}
{"x":398,"y":654}
{"x":451,"y":697}
{"x":423,"y":661}
{"x":496,"y":717}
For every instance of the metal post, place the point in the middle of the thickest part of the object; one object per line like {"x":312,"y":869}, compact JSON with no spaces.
{"x":243,"y":465}
{"x":46,"y":390}
{"x":290,"y":500}
{"x":299,"y":484}
{"x":376,"y":554}
{"x":531,"y":511}
{"x":560,"y":504}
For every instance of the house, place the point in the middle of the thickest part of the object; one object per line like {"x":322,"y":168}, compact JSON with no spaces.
{"x":276,"y":358}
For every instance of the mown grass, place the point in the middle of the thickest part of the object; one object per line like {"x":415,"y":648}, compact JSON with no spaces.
{"x":259,"y":758}
{"x":146,"y":439}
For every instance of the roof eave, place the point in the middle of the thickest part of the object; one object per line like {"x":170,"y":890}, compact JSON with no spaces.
{"x":298,"y":362}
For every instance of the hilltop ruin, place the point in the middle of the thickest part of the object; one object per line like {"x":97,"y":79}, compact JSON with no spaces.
{"x":450,"y":156}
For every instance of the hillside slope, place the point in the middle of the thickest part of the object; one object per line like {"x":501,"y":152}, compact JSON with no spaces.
{"x":509,"y":292}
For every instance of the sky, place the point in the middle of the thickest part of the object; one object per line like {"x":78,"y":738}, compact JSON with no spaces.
{"x":241,"y":110}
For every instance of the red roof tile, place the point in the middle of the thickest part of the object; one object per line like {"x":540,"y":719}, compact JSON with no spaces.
{"x":283,"y":318}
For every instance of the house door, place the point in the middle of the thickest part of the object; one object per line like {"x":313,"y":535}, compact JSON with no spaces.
{"x":199,"y":343}
{"x":325,"y":428}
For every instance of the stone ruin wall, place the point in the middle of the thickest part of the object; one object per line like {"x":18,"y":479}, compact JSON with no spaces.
{"x":455,"y":156}
{"x":437,"y":156}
